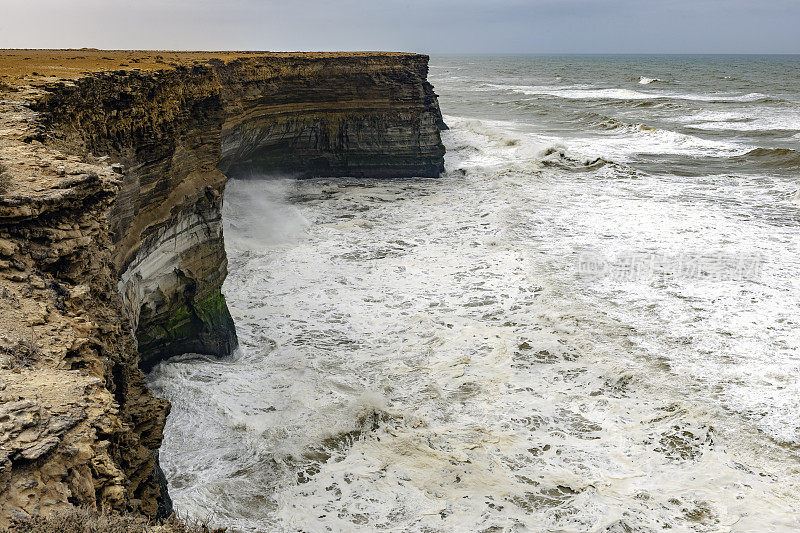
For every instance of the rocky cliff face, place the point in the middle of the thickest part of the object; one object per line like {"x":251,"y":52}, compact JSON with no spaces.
{"x":77,"y":422}
{"x":111,"y":246}
{"x":163,"y":132}
{"x":371,"y":115}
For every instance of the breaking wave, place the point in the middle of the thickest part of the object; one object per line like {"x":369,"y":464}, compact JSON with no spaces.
{"x":778,"y":158}
{"x":587,"y":92}
{"x":494,"y":146}
{"x":758,"y":120}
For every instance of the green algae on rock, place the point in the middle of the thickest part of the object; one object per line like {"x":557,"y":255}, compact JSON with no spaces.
{"x":193,"y":327}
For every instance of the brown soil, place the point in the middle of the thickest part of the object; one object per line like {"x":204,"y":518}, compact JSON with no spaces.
{"x":26,"y":67}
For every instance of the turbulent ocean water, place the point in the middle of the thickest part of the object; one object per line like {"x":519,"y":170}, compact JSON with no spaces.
{"x":589,"y":323}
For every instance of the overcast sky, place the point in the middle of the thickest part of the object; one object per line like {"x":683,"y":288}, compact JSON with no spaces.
{"x":433,"y":26}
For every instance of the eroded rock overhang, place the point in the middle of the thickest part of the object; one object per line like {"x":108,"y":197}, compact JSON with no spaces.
{"x":371,"y":115}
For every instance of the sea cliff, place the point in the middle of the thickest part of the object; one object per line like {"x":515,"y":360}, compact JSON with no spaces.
{"x":112,"y":172}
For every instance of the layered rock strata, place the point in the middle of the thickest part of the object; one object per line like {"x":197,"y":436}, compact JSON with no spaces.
{"x":162,"y":130}
{"x":371,"y":115}
{"x":78,"y":425}
{"x":111,"y":246}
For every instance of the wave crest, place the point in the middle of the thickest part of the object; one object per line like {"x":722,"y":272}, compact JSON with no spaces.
{"x":558,"y":157}
{"x":589,"y":92}
{"x":782,"y":158}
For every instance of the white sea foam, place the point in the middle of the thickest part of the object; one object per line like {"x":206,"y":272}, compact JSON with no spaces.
{"x":777,"y":122}
{"x":723,"y":115}
{"x":622,"y":144}
{"x":748,"y":119}
{"x":577,"y":92}
{"x":425,"y":355}
{"x":644,"y":80}
{"x":586,"y":92}
{"x":419,"y":355}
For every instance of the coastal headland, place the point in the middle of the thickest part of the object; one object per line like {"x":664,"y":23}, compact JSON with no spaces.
{"x":112,"y":172}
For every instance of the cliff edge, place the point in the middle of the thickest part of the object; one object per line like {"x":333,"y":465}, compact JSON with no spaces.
{"x":112,"y":172}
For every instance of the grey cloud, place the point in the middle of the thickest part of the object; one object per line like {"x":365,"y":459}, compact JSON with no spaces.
{"x":436,"y":26}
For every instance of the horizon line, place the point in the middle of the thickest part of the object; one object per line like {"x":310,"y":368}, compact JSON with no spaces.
{"x":491,"y":53}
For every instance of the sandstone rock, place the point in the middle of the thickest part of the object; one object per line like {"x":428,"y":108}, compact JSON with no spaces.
{"x":7,"y":248}
{"x":374,"y":116}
